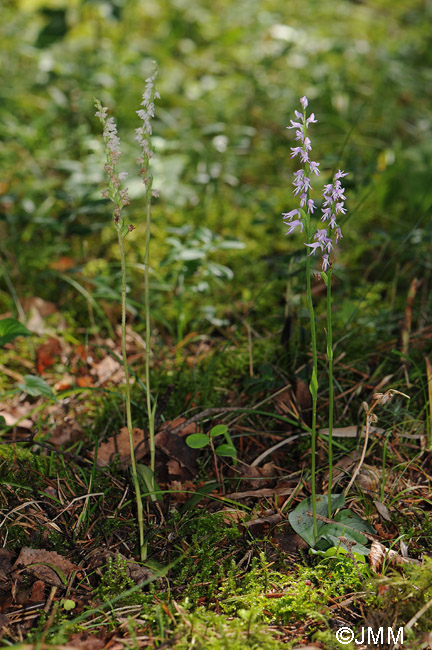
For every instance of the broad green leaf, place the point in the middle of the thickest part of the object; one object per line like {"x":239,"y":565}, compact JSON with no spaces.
{"x":10,"y":329}
{"x":226,"y":450}
{"x":219,"y":430}
{"x":197,"y":440}
{"x":302,"y":523}
{"x":325,"y":278}
{"x":34,"y":385}
{"x":331,"y":541}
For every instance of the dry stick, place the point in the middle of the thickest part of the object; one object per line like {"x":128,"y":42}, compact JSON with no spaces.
{"x":378,"y":398}
{"x":363,"y":454}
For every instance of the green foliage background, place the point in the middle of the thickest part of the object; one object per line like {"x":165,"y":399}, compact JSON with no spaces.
{"x":230,"y":75}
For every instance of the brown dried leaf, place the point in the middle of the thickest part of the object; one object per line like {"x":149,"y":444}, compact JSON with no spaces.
{"x":47,"y":354}
{"x":38,"y":592}
{"x":109,"y":370}
{"x":368,"y":479}
{"x":170,"y":425}
{"x":119,"y":445}
{"x":48,"y":566}
{"x":283,"y":402}
{"x":382,"y":510}
{"x":175,"y":447}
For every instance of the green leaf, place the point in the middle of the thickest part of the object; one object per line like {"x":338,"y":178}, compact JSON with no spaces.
{"x":10,"y":329}
{"x":325,"y":278}
{"x":218,"y":430}
{"x":147,"y":479}
{"x":68,"y":604}
{"x":313,"y":386}
{"x":197,"y":440}
{"x":347,"y":524}
{"x":226,"y":450}
{"x":35,"y":386}
{"x":302,"y":523}
{"x":189,"y":254}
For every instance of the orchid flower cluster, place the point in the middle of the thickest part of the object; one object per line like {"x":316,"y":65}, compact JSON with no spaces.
{"x":333,"y":193}
{"x":112,"y":148}
{"x":144,"y":133}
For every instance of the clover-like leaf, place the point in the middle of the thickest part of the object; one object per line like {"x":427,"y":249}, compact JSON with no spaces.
{"x":197,"y":440}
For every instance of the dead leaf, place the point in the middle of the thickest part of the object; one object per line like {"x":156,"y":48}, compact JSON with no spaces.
{"x":38,"y":592}
{"x":48,"y":566}
{"x":192,"y":427}
{"x":85,"y":381}
{"x":38,"y":310}
{"x":382,"y":510}
{"x":47,"y":354}
{"x":15,"y":414}
{"x":368,"y":479}
{"x":119,"y":445}
{"x":109,"y":369}
{"x":175,"y":447}
{"x":258,"y":477}
{"x":379,"y":554}
{"x":67,"y":431}
{"x":283,"y":401}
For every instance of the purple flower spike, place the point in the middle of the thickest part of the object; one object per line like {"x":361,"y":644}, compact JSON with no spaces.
{"x":333,"y":193}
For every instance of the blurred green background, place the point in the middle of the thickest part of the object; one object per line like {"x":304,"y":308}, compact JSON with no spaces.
{"x":230,"y":77}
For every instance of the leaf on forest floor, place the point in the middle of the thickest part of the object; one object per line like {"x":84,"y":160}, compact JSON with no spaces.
{"x":118,"y":446}
{"x":257,"y":477}
{"x":47,"y":354}
{"x":10,"y":328}
{"x":368,"y":479}
{"x":13,"y":413}
{"x":174,"y":445}
{"x":37,"y":311}
{"x":49,"y":566}
{"x":109,"y":369}
{"x":379,"y":554}
{"x":67,"y":430}
{"x":382,"y":510}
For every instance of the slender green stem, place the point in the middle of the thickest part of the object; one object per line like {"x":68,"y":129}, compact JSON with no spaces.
{"x":150,"y":411}
{"x":331,"y":390}
{"x":128,"y":398}
{"x":314,"y":392}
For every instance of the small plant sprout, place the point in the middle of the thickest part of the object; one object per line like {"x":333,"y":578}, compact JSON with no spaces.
{"x":226,"y":449}
{"x":319,"y":238}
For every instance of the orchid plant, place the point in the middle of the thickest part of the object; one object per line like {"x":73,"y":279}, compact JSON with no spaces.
{"x":320,"y":238}
{"x":118,"y":195}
